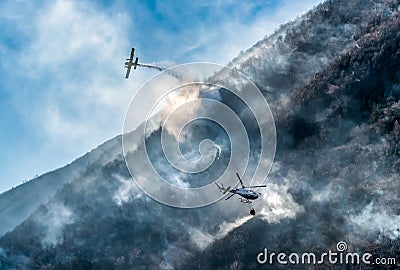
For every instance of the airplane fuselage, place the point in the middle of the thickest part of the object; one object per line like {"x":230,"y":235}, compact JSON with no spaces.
{"x":129,"y":63}
{"x":245,"y":193}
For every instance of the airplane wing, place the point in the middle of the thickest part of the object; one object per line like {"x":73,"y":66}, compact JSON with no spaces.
{"x":127,"y":72}
{"x":132,"y":54}
{"x":129,"y":63}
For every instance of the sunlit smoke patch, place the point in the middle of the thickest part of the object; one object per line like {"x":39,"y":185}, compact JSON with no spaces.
{"x":153,"y":124}
{"x":126,"y":190}
{"x":175,"y":100}
{"x":201,"y":239}
{"x":279,"y":204}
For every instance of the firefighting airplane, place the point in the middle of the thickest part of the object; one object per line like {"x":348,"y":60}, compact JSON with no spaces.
{"x":129,"y":63}
{"x":246,"y":194}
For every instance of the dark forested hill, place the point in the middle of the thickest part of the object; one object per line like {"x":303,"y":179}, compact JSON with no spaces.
{"x":341,"y":137}
{"x":332,"y":78}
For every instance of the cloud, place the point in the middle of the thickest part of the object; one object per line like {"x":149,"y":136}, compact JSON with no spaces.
{"x":226,"y":28}
{"x":65,"y":82}
{"x":76,"y":54}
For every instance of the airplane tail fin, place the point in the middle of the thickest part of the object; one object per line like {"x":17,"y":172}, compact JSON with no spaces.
{"x":136,"y":63}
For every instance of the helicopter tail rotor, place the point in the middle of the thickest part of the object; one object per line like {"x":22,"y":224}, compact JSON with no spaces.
{"x":226,"y":190}
{"x":222,"y":188}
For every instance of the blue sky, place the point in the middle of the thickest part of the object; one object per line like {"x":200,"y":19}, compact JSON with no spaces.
{"x":62,"y":89}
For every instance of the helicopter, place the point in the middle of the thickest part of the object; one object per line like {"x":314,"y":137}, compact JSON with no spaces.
{"x":246,"y":194}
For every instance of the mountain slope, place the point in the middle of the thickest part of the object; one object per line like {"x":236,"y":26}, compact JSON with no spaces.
{"x":346,"y":166}
{"x":278,"y":64}
{"x":335,"y":176}
{"x":20,"y":202}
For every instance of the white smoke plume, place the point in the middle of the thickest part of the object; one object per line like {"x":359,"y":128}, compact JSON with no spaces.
{"x":372,"y":219}
{"x":55,"y":218}
{"x":152,"y":66}
{"x":126,"y":191}
{"x":175,"y":100}
{"x":161,"y":67}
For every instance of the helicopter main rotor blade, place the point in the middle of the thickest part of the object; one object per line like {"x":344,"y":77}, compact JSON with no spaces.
{"x":257,"y":186}
{"x":240,"y":180}
{"x":230,"y":196}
